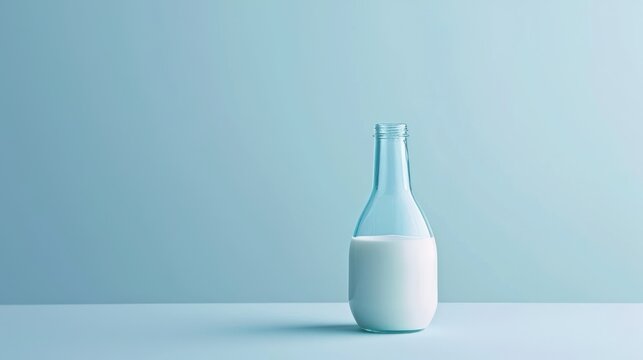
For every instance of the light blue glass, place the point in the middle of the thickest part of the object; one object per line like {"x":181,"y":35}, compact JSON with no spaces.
{"x":392,"y":276}
{"x":391,"y":208}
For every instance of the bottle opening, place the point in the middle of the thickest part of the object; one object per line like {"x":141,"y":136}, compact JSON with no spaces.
{"x":390,"y":131}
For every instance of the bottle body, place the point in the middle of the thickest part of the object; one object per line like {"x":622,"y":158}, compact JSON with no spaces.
{"x":393,"y":255}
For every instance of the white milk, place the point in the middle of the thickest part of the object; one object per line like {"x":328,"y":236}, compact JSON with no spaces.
{"x":393,"y":282}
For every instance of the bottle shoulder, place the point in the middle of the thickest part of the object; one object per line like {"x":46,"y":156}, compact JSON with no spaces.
{"x":392,"y":213}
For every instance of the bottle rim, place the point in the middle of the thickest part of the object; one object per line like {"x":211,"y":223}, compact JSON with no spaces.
{"x":390,"y":131}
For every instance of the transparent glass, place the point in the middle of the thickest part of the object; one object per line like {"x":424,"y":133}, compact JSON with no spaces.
{"x":391,"y":208}
{"x":393,"y":256}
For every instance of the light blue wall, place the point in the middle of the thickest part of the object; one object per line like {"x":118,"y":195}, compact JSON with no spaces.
{"x":172,"y":151}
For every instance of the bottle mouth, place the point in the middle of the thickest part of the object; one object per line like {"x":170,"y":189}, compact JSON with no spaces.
{"x":390,"y":131}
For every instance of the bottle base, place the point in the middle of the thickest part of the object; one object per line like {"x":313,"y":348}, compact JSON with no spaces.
{"x":376,"y":331}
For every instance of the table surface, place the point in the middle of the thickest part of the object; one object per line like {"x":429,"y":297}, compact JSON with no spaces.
{"x":317,"y":330}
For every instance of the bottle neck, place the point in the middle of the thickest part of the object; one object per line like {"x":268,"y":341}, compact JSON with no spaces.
{"x":391,"y":165}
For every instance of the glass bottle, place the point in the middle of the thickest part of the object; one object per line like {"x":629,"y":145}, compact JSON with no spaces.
{"x":392,"y":257}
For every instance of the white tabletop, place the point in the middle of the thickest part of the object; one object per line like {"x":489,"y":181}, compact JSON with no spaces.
{"x":317,"y":330}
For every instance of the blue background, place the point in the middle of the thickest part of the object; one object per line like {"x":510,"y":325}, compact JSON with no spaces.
{"x":171,"y":151}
